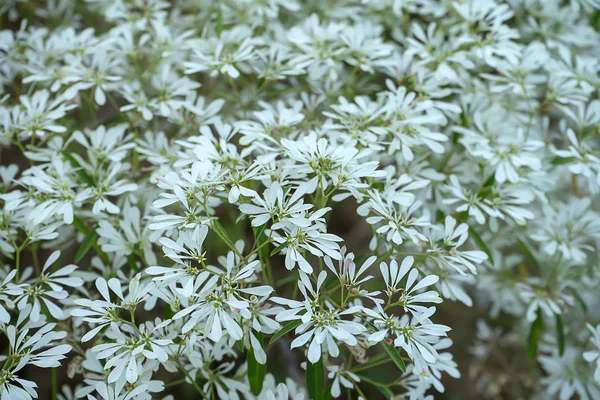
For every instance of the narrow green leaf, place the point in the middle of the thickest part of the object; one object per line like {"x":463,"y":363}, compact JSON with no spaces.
{"x":240,"y":344}
{"x":331,"y":282}
{"x":481,"y":244}
{"x":256,"y":371}
{"x":87,"y":243}
{"x":562,"y":160}
{"x":220,"y":231}
{"x":395,"y":356}
{"x":527,"y":253}
{"x":372,"y":360}
{"x":486,"y":188}
{"x":261,"y":240}
{"x":439,"y":216}
{"x":259,"y":234}
{"x":385,"y":391}
{"x":560,"y":334}
{"x":293,"y":277}
{"x":279,"y":248}
{"x":359,"y":259}
{"x":288,"y":328}
{"x":489,"y":181}
{"x":578,"y":298}
{"x":168,"y":313}
{"x":132,"y":264}
{"x":80,"y":171}
{"x":595,"y":20}
{"x":534,"y":335}
{"x":315,"y":379}
{"x":81,"y":227}
{"x":219,"y":19}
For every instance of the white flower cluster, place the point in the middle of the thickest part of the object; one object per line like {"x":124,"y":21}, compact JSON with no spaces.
{"x":267,"y":199}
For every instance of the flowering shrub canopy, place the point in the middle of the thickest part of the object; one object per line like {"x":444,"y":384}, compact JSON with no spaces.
{"x":269,"y":199}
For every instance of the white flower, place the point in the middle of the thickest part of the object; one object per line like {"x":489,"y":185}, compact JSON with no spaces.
{"x":188,"y":255}
{"x":131,"y":238}
{"x":40,"y":348}
{"x":104,"y":144}
{"x":594,"y":355}
{"x":60,"y":190}
{"x":220,"y":306}
{"x":341,"y":377}
{"x":585,"y":163}
{"x":470,"y":202}
{"x":48,"y":288}
{"x":548,"y":299}
{"x":321,"y":325}
{"x":350,"y":277}
{"x":409,"y":295}
{"x":220,"y":56}
{"x":8,"y":290}
{"x":398,"y":224}
{"x":40,"y":115}
{"x":446,"y":252}
{"x":281,"y":393}
{"x":295,"y":240}
{"x":124,"y":355}
{"x":563,"y":384}
{"x":91,"y":72}
{"x":275,"y":206}
{"x":416,"y":334}
{"x":360,"y":120}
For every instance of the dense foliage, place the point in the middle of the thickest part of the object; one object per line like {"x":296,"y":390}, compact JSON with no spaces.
{"x":269,"y":199}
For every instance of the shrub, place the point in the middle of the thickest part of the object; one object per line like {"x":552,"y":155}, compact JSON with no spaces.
{"x":270,"y":199}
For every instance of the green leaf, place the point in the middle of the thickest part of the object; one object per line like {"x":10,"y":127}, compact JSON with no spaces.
{"x":534,"y":335}
{"x":395,"y":356}
{"x":315,"y":379}
{"x":81,"y":227}
{"x":359,"y":259}
{"x":527,"y":253}
{"x":327,"y":393}
{"x":595,"y":21}
{"x":288,"y":328}
{"x":220,"y":231}
{"x":560,"y":334}
{"x":489,"y":181}
{"x":132,"y":264}
{"x":372,"y":360}
{"x":562,"y":160}
{"x":261,"y":240}
{"x":439,"y":216}
{"x":331,"y":282}
{"x":80,"y":171}
{"x":578,"y":298}
{"x":385,"y":391}
{"x":256,"y":371}
{"x":279,"y":248}
{"x":481,"y":244}
{"x":85,"y":246}
{"x":259,"y":234}
{"x":219,"y":19}
{"x":293,"y":277}
{"x":168,"y":313}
